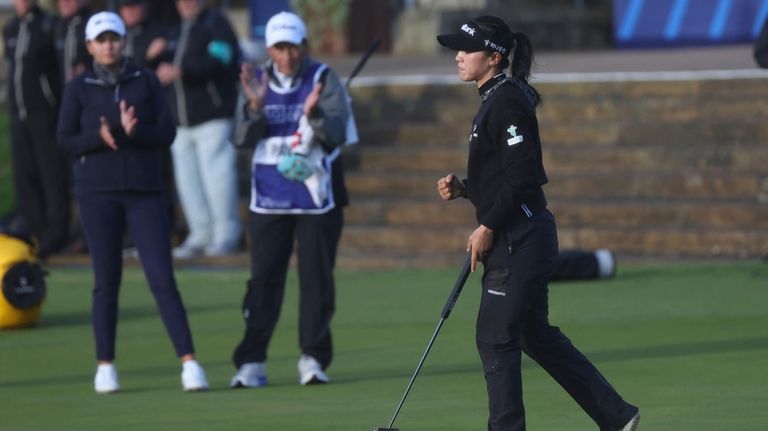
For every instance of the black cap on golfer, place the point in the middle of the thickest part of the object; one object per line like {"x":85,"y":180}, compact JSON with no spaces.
{"x":471,"y":38}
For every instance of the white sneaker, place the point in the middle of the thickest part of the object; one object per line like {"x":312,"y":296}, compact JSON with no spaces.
{"x":250,"y":375}
{"x":193,"y":377}
{"x":310,"y":371}
{"x":632,"y":424}
{"x":105,"y":381}
{"x":188,"y":250}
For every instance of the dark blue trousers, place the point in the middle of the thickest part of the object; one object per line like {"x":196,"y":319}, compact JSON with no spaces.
{"x":104,"y":217}
{"x":514,"y":318}
{"x":272,"y":238}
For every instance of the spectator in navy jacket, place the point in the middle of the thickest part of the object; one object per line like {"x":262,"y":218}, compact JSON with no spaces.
{"x":114,"y":124}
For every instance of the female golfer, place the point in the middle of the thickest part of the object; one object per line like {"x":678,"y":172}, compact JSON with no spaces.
{"x":114,"y":124}
{"x":516,"y":238}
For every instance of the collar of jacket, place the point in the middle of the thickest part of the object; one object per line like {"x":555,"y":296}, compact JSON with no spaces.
{"x":33,"y":13}
{"x":491,"y":85}
{"x":305,"y":63}
{"x":130,"y":71}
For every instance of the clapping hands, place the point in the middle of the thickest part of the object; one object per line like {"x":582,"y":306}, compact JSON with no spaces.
{"x":127,"y":120}
{"x":255,"y":87}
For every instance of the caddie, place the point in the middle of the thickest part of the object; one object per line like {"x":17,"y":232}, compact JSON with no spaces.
{"x":296,"y":114}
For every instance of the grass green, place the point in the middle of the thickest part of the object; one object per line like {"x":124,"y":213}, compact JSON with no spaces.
{"x":688,"y":343}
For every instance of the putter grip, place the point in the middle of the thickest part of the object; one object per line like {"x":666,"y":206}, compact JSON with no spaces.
{"x":457,"y":288}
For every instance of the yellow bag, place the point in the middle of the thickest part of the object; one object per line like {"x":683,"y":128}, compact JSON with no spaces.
{"x":23,"y":285}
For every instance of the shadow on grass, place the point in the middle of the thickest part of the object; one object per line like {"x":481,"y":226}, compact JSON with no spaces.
{"x":373,"y":374}
{"x":600,"y":356}
{"x":83,"y":317}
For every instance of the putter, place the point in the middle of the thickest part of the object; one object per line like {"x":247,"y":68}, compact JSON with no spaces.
{"x":443,"y":315}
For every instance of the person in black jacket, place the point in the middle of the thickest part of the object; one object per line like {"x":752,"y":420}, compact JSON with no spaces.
{"x":516,"y":238}
{"x":72,"y":55}
{"x":34,"y":89}
{"x":141,"y":32}
{"x":199,"y":67}
{"x":114,"y":124}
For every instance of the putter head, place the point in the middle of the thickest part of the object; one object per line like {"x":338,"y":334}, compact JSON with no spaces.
{"x":386,"y":429}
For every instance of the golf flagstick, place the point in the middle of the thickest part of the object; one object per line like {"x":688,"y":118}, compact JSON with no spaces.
{"x":443,"y":316}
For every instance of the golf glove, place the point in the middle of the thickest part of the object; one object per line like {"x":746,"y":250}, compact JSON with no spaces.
{"x":296,"y":166}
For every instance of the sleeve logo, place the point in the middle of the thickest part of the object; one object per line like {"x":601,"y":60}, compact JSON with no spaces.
{"x":515,"y":139}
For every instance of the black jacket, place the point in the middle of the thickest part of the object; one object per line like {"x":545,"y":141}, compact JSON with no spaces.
{"x":137,"y":41}
{"x":137,"y":163}
{"x":33,"y":78}
{"x":505,"y":170}
{"x":207,"y":89}
{"x":70,"y":43}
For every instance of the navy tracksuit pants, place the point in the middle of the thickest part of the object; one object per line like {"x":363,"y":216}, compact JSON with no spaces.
{"x":104,"y":217}
{"x":513,"y":318}
{"x":272,"y":238}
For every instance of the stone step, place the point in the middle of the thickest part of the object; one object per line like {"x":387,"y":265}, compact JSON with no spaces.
{"x":741,"y":243}
{"x":555,"y":134}
{"x":647,"y":241}
{"x":651,"y":157}
{"x":690,"y":185}
{"x":450,"y":136}
{"x":569,"y":214}
{"x":652,"y":101}
{"x":387,"y":247}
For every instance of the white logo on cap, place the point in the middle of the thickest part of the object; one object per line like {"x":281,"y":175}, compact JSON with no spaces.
{"x":468,"y":29}
{"x":495,"y":47}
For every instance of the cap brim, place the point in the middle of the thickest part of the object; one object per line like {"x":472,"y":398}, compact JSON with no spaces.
{"x":459,"y":42}
{"x":283,"y":37}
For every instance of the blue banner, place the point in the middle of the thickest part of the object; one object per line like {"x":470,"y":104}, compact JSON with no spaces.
{"x":687,"y":22}
{"x":261,"y":11}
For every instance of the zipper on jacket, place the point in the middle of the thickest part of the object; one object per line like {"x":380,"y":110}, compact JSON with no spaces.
{"x":70,"y":47}
{"x":178,"y":86}
{"x":214,"y":93}
{"x":22,"y":44}
{"x":47,"y":92}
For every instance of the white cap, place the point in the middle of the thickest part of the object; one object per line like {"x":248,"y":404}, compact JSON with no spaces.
{"x":103,"y":22}
{"x":285,"y":27}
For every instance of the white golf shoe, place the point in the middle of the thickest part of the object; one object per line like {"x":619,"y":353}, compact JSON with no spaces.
{"x":310,"y":371}
{"x":105,"y":381}
{"x":193,"y":377}
{"x":250,"y":375}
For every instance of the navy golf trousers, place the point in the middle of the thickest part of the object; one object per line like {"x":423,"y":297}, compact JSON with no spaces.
{"x":104,"y":217}
{"x":513,"y":317}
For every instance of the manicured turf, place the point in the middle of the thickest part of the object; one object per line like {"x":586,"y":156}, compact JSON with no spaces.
{"x":687,"y":343}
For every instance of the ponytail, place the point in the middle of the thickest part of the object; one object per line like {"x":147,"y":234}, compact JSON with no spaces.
{"x":522,"y":61}
{"x":521,"y":51}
